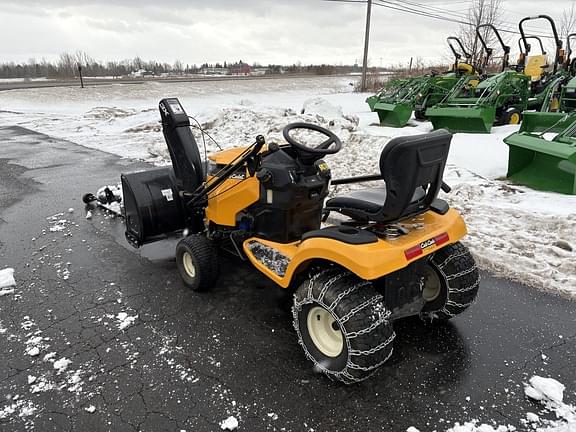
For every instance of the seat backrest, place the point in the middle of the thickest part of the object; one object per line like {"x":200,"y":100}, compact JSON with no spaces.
{"x":411,"y":162}
{"x":535,"y":66}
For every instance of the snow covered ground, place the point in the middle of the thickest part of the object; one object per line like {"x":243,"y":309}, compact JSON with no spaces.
{"x":515,"y":232}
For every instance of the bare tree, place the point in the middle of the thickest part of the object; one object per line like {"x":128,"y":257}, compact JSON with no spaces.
{"x":568,"y":22}
{"x":481,"y":12}
{"x":178,"y":67}
{"x":66,"y":65}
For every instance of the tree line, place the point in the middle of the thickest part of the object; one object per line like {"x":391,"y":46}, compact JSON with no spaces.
{"x":66,"y":67}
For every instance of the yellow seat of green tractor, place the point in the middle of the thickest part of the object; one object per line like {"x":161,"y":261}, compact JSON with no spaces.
{"x":535,"y":66}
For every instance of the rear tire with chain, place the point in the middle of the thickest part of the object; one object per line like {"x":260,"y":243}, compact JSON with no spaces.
{"x":454,"y":270}
{"x":342,"y":325}
{"x":197,"y":262}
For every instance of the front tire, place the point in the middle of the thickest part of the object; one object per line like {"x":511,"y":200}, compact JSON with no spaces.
{"x":197,"y":262}
{"x":512,"y":116}
{"x":451,"y":284}
{"x":342,"y":325}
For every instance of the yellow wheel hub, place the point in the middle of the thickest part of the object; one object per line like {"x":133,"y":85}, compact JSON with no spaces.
{"x":325,"y":332}
{"x":514,"y":118}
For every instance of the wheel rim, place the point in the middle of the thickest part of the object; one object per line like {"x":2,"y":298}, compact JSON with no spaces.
{"x":432,"y":285}
{"x":325,"y":332}
{"x":188,"y":264}
{"x":515,"y":118}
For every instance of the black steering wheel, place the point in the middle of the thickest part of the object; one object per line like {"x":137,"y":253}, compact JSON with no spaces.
{"x":324,"y":148}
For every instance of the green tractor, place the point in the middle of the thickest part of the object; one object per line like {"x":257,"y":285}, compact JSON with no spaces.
{"x":534,"y":159}
{"x":560,"y":98}
{"x":395,"y":103}
{"x":545,"y":86}
{"x":497,"y":99}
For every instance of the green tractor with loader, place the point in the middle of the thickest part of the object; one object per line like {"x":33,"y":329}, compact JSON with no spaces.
{"x":542,"y":154}
{"x":496,"y":99}
{"x":395,"y":103}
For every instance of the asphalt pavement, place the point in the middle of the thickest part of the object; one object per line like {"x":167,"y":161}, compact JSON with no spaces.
{"x":98,"y":336}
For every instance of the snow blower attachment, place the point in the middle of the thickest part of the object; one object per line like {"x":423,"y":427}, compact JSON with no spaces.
{"x":397,"y":254}
{"x":154,"y":200}
{"x":542,"y":164}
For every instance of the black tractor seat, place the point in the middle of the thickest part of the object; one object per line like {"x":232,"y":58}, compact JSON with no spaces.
{"x":412,"y":168}
{"x":367,"y":200}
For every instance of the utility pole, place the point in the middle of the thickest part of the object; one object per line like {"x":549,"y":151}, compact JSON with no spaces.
{"x":80,"y":73}
{"x":366,"y":38}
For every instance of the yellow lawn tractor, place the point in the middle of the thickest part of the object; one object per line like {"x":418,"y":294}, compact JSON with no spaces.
{"x":396,"y":251}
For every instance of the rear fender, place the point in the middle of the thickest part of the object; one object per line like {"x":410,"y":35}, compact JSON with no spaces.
{"x":430,"y":232}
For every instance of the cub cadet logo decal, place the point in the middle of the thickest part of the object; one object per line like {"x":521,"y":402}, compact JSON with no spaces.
{"x":417,"y":250}
{"x":427,"y":243}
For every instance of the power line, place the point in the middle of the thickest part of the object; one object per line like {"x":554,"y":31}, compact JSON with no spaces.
{"x":435,"y":13}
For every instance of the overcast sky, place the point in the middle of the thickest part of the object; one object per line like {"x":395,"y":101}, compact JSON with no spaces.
{"x":265,"y":31}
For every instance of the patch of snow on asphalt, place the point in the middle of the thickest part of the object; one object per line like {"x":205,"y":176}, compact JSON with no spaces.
{"x":550,"y":393}
{"x":6,"y":281}
{"x":62,"y":364}
{"x":230,"y":424}
{"x":21,"y":408}
{"x":124,"y":320}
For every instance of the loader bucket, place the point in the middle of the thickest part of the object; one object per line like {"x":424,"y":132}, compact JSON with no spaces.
{"x":393,"y":115}
{"x":541,"y":164}
{"x":465,"y":119}
{"x":543,"y":121}
{"x":371,"y":101}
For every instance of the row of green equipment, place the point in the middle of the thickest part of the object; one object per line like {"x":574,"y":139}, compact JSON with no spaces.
{"x":467,"y":100}
{"x":542,"y":154}
{"x":500,"y":99}
{"x":395,"y":103}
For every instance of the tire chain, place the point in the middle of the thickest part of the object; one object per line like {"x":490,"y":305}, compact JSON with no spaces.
{"x":453,"y":306}
{"x":343,"y":375}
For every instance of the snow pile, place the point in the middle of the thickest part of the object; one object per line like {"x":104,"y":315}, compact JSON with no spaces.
{"x":550,"y":393}
{"x":7,"y":281}
{"x":239,"y":126}
{"x":524,"y":235}
{"x":473,"y":426}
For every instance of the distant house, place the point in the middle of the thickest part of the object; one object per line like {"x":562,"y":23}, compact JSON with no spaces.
{"x":141,"y":73}
{"x":214,"y":71}
{"x":259,"y":71}
{"x":240,"y":69}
